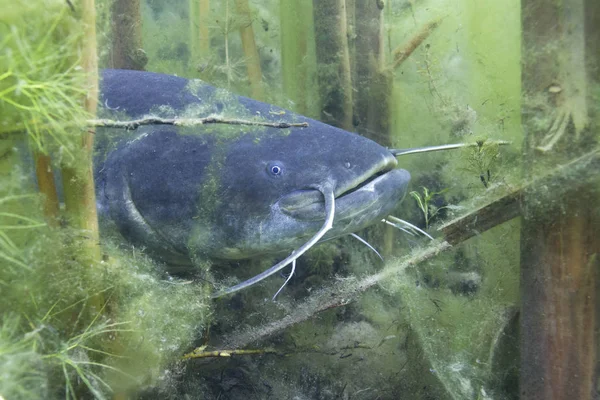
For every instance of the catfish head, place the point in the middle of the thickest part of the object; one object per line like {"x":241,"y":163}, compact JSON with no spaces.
{"x":274,"y":188}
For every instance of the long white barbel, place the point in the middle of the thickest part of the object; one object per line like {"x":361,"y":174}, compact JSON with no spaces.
{"x":428,"y":149}
{"x":329,"y":213}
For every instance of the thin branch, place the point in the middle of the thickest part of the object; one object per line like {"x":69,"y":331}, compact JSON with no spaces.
{"x":400,"y":54}
{"x":134,"y":124}
{"x":250,"y":50}
{"x":201,"y":353}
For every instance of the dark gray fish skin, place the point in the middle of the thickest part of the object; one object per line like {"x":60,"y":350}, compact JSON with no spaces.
{"x":230,"y":192}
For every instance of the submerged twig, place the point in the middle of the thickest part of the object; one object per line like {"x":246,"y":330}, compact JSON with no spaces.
{"x":201,"y":353}
{"x":250,"y":50}
{"x":400,"y":54}
{"x":134,"y":124}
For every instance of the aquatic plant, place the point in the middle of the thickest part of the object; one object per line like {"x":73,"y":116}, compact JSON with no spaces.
{"x":145,"y":322}
{"x":481,"y":160}
{"x":23,"y":375}
{"x":42,"y":83}
{"x":424,"y":202}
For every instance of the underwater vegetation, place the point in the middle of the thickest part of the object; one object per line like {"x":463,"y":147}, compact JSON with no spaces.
{"x":75,"y":324}
{"x":424,"y":202}
{"x":511,"y":272}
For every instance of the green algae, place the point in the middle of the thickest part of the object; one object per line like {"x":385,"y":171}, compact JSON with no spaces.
{"x":146,"y":322}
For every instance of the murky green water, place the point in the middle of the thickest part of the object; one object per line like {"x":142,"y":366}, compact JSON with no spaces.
{"x":131,"y":229}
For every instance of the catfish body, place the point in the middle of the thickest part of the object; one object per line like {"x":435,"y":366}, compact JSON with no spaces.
{"x":230,"y":191}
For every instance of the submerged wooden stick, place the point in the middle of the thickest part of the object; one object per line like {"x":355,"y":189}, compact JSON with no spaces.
{"x":134,"y":124}
{"x":333,"y":59}
{"x":563,"y":179}
{"x":126,"y":45}
{"x":400,"y":54}
{"x":201,"y":353}
{"x":199,"y":14}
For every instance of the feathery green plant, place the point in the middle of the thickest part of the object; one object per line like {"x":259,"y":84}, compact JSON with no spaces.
{"x":64,"y":345}
{"x":482,"y":159}
{"x":41,"y":85}
{"x":75,"y":357}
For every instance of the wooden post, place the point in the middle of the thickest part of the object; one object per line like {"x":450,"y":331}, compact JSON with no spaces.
{"x":199,"y":11}
{"x":126,"y":20}
{"x":78,"y":182}
{"x":373,"y":81}
{"x":250,"y":50}
{"x":560,"y":244}
{"x":333,"y":62}
{"x":203,"y":33}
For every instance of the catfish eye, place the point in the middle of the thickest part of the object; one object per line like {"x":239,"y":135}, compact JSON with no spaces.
{"x":274,"y":169}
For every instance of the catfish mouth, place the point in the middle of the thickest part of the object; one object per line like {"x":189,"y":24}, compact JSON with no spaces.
{"x":362,"y":184}
{"x":351,"y":197}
